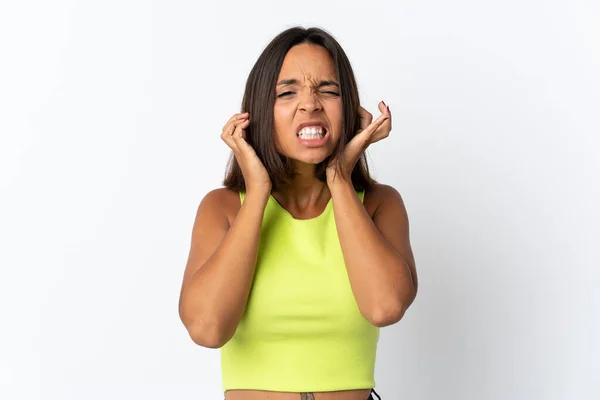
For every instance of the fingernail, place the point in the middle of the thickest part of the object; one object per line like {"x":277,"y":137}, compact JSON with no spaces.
{"x":383,"y":103}
{"x":388,"y":108}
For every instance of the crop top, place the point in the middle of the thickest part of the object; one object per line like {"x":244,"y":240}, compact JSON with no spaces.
{"x":301,"y":330}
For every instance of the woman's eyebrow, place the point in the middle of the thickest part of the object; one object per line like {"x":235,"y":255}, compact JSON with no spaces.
{"x":285,"y":82}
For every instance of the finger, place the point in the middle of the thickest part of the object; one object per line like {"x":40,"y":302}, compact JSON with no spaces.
{"x":230,"y":127}
{"x":384,"y":129}
{"x":369,"y":135}
{"x":229,"y":132}
{"x":374,"y":126}
{"x":365,"y":118}
{"x":364,"y":138}
{"x":240,"y":128}
{"x":236,"y":117}
{"x":383,"y":107}
{"x":239,"y":135}
{"x":228,"y":139}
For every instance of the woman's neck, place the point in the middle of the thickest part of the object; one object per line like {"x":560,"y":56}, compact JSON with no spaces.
{"x":305,"y":189}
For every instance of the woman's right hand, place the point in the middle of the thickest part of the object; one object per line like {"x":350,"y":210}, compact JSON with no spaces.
{"x":255,"y":174}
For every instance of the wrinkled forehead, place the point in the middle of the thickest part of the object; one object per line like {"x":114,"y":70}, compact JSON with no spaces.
{"x":308,"y":65}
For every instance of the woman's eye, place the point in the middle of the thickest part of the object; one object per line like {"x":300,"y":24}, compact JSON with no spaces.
{"x":331,"y":93}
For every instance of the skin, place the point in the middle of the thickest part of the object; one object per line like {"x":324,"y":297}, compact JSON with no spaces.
{"x":300,"y":102}
{"x":374,"y":236}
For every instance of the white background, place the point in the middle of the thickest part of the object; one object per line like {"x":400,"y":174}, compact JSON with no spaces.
{"x":110,"y":116}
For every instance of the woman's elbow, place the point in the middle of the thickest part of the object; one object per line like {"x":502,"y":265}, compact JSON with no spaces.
{"x":385,"y":316}
{"x":209,"y":337}
{"x":391,"y":312}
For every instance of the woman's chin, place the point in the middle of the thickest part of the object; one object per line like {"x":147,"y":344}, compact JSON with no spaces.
{"x":311,"y":160}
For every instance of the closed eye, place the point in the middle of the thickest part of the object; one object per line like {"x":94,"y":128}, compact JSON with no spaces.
{"x":284,"y":94}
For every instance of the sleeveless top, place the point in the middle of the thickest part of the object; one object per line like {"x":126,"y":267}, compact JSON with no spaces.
{"x":302,"y":330}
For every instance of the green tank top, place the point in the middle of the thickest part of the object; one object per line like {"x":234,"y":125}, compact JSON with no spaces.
{"x":302,"y":330}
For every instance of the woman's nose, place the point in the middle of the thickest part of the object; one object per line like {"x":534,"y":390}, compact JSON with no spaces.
{"x":309,"y":101}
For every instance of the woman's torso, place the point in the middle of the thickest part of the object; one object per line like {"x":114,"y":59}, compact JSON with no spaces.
{"x":231,"y":203}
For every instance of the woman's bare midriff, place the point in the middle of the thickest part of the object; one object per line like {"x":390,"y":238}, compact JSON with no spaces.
{"x":360,"y":394}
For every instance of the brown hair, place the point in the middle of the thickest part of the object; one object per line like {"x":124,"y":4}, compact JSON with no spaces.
{"x":259,"y":101}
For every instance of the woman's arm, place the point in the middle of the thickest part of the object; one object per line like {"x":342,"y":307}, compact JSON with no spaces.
{"x":220,"y":268}
{"x":377,"y":252}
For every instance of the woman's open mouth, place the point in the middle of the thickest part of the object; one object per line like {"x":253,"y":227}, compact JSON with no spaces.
{"x":313,"y":136}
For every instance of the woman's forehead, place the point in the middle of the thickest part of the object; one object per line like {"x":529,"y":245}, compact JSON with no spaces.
{"x":307,"y":64}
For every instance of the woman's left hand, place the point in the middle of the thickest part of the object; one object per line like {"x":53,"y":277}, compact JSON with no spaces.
{"x":370,"y":132}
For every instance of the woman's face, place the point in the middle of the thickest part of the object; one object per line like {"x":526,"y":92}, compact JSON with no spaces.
{"x":308,"y":106}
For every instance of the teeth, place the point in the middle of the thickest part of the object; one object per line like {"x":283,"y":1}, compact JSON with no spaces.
{"x":312,"y":132}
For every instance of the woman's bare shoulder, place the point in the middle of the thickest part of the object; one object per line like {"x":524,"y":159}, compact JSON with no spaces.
{"x":377,"y":195}
{"x":224,"y":200}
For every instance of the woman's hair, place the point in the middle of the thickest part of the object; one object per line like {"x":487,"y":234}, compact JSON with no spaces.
{"x":259,"y":101}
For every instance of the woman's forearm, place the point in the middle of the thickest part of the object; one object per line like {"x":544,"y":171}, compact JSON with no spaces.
{"x":214,"y":300}
{"x":381,"y":279}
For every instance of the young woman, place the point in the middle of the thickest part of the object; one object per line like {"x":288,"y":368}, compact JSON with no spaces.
{"x":299,"y":260}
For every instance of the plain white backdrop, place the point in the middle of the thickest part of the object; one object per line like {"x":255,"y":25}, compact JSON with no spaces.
{"x":110,"y":116}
